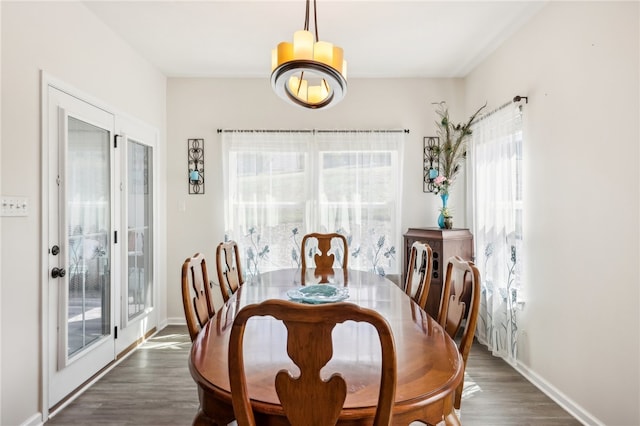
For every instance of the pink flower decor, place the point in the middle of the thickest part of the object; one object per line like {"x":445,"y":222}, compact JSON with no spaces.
{"x":441,"y":184}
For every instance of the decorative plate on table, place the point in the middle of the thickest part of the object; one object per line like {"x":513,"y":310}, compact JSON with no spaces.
{"x":318,"y":293}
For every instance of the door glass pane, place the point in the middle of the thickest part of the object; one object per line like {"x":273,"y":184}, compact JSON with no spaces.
{"x":88,"y":217}
{"x":139,"y":227}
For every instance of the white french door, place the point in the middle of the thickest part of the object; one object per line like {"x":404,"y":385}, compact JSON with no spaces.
{"x":98,"y":215}
{"x":137,"y":313}
{"x":81,"y":242}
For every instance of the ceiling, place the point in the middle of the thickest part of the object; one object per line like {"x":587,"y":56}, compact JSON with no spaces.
{"x":381,"y":39}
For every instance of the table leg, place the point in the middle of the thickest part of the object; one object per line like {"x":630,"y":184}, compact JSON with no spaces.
{"x":212,"y":412}
{"x":202,"y":419}
{"x":451,"y":419}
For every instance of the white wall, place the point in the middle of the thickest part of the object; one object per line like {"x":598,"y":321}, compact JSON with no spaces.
{"x":196,"y":108}
{"x":578,"y":63}
{"x":69,"y":43}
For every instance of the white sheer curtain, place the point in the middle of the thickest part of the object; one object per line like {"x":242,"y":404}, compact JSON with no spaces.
{"x":267,"y":186}
{"x":280,"y":185}
{"x":496,"y":197}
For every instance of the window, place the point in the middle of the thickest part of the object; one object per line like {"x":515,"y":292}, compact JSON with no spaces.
{"x":282,"y":185}
{"x":139,"y":228}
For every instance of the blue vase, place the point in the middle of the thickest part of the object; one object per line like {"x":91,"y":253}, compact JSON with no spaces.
{"x":444,"y":197}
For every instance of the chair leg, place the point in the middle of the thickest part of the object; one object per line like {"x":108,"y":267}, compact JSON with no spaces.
{"x":458,"y":398}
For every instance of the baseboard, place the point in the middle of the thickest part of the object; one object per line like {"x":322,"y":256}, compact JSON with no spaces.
{"x":175,"y":321}
{"x":558,"y":397}
{"x":35,"y":420}
{"x":162,"y":324}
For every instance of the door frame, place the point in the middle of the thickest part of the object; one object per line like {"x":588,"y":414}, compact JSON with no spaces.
{"x":152,"y":318}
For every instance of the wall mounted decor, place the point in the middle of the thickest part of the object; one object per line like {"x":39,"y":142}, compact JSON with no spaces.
{"x":195,"y":164}
{"x":431,"y":148}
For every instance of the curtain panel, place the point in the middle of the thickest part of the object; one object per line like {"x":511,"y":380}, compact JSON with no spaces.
{"x":496,"y":199}
{"x":280,"y":185}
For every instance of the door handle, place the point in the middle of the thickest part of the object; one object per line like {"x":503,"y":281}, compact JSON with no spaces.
{"x":58,"y":272}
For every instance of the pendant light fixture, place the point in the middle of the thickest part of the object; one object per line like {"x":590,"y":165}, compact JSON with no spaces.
{"x":311,"y":74}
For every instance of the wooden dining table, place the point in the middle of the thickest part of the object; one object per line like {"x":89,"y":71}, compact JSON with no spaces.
{"x":429,"y":365}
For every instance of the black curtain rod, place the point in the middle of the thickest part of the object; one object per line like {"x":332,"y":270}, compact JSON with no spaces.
{"x":516,"y":98}
{"x":262,"y":131}
{"x":364,"y":131}
{"x":310,"y":131}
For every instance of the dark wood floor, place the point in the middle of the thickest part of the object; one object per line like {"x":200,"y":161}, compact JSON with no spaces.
{"x":153,"y":387}
{"x":496,"y":395}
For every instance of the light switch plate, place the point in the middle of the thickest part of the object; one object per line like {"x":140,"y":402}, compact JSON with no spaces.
{"x":14,"y":206}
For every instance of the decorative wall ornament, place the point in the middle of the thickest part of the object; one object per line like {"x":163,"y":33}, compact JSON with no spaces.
{"x":195,"y":163}
{"x":431,"y":148}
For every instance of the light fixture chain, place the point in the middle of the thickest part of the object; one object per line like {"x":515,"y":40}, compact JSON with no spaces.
{"x":315,"y":20}
{"x":306,"y":17}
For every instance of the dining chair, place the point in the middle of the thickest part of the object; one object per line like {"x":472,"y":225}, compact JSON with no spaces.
{"x":461,"y":276}
{"x":419,"y":273}
{"x":196,"y":294}
{"x":308,"y":399}
{"x":229,"y":268}
{"x":323,"y":255}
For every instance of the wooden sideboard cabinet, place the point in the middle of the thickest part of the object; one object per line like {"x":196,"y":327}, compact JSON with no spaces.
{"x":444,"y":243}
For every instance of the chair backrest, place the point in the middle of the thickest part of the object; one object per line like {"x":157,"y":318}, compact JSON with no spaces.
{"x":453,"y":309}
{"x":308,"y":400}
{"x":229,"y":268}
{"x":419,"y":273}
{"x":196,"y":294}
{"x":323,"y":258}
